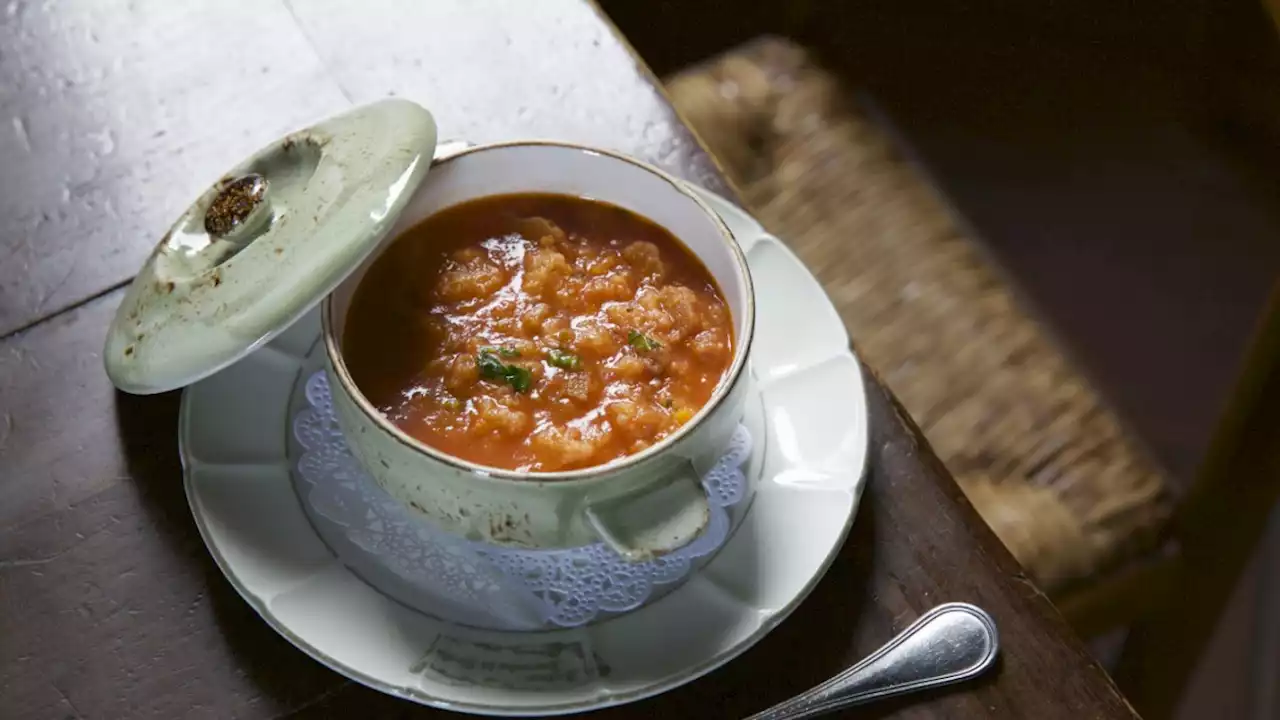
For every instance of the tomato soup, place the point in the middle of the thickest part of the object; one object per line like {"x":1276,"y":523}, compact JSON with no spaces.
{"x":538,"y":332}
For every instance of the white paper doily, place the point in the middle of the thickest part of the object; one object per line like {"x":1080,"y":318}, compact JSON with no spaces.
{"x":474,"y":583}
{"x":809,"y":426}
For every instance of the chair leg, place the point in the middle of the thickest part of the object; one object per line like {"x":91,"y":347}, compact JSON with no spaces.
{"x":1221,"y":521}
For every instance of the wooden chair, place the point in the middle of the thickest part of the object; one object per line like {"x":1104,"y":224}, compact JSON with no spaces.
{"x":1036,"y":448}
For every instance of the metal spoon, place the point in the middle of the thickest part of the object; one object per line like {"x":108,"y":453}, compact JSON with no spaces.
{"x":948,"y":644}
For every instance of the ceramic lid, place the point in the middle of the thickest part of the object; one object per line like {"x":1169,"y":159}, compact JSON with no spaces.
{"x":266,"y":243}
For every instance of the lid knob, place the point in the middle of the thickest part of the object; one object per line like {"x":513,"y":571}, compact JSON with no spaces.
{"x":266,"y":243}
{"x":240,"y":206}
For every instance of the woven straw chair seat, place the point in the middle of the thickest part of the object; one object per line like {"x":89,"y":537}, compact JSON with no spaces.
{"x":1036,"y":450}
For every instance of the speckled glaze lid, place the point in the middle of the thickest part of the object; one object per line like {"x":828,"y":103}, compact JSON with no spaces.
{"x":265,"y":243}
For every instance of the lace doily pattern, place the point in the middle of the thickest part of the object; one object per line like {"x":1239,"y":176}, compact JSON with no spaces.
{"x":474,"y":583}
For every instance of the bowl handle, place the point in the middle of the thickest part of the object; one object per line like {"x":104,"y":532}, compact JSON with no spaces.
{"x":656,"y":520}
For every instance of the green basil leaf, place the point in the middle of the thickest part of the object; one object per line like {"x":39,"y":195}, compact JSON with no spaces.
{"x":562,"y":359}
{"x":642,"y":342}
{"x":490,"y":367}
{"x":519,"y":378}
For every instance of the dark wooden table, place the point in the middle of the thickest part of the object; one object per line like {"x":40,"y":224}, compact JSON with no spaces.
{"x":112,"y":117}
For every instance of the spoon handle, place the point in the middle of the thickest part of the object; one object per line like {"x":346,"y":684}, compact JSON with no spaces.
{"x":948,"y":644}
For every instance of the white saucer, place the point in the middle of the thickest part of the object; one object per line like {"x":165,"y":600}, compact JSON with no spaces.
{"x":233,"y":437}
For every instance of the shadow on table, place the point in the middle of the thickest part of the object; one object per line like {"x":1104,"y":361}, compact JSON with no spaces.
{"x":148,"y":428}
{"x":827,"y":633}
{"x":815,"y":642}
{"x":898,"y":706}
{"x":830,"y":631}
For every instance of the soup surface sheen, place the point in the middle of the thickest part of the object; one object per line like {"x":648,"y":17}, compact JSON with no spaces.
{"x":538,"y":332}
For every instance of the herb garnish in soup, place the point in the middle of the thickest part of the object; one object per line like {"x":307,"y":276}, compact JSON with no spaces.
{"x":538,"y":332}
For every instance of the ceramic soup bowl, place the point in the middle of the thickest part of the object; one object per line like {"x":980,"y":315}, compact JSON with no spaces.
{"x":642,"y":505}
